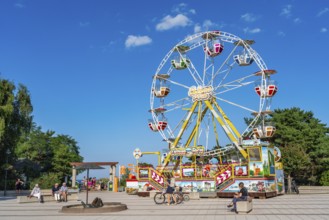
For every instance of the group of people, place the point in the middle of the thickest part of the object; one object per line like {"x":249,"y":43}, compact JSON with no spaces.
{"x":59,"y":192}
{"x":91,"y":183}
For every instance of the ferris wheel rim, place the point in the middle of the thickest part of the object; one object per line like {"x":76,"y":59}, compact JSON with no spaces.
{"x":224,"y":36}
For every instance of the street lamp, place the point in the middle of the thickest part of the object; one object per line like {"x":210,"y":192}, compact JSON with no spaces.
{"x":5,"y":191}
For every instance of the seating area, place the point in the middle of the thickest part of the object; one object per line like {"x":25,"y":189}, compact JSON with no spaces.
{"x":47,"y":197}
{"x":244,"y":206}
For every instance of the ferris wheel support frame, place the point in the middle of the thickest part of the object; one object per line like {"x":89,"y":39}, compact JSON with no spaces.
{"x":229,"y":129}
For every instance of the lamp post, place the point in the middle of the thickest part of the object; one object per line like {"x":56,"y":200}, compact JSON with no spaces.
{"x":5,"y":191}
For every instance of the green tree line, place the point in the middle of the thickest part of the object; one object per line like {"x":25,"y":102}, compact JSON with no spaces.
{"x":26,"y":151}
{"x":304,"y":144}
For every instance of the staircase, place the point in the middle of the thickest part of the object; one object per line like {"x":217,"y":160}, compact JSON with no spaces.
{"x":224,"y":185}
{"x":223,"y":175}
{"x":156,"y":179}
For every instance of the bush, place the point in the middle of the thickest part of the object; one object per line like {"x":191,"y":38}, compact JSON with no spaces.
{"x":46,"y":180}
{"x":324,"y":180}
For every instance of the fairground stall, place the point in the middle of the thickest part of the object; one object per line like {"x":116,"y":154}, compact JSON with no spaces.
{"x":210,"y":101}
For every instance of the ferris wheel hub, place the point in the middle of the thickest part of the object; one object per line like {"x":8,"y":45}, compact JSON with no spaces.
{"x":201,"y":93}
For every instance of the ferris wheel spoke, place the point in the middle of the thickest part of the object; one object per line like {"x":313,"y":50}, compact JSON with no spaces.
{"x":193,"y":71}
{"x":237,"y":105}
{"x":176,"y":83}
{"x":177,"y":104}
{"x":230,"y":55}
{"x":234,"y":84}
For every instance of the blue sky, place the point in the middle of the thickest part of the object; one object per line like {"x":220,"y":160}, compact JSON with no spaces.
{"x":89,"y":64}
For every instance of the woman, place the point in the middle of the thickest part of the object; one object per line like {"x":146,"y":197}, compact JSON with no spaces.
{"x":36,"y":192}
{"x":170,"y":190}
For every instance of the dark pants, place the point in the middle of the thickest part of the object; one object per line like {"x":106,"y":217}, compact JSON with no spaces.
{"x":242,"y":198}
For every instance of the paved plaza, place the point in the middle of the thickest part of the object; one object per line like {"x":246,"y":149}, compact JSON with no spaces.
{"x":306,"y":207}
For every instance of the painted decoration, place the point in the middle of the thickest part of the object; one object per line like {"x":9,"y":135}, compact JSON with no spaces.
{"x":143,"y":173}
{"x":253,"y":186}
{"x":196,"y":186}
{"x":188,"y":172}
{"x":241,"y":171}
{"x":277,"y":154}
{"x":279,"y":181}
{"x":256,"y":169}
{"x":271,"y":160}
{"x":209,"y":170}
{"x":254,"y":154}
{"x":266,"y":166}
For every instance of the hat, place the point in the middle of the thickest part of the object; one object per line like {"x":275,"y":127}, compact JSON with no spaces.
{"x":36,"y":185}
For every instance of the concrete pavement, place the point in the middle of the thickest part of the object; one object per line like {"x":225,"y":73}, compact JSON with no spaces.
{"x":308,"y":207}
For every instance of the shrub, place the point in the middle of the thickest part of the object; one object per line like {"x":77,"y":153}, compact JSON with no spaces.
{"x":46,"y":180}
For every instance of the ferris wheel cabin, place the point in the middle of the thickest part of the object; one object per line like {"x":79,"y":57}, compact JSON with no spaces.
{"x":266,"y":90}
{"x":243,"y":59}
{"x":180,"y":63}
{"x":161,"y":89}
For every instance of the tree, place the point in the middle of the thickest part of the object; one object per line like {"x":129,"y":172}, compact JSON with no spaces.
{"x":15,"y":117}
{"x":65,"y":150}
{"x":43,"y":152}
{"x":304,"y":143}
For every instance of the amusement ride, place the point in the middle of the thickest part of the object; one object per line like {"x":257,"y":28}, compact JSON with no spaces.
{"x":210,"y":100}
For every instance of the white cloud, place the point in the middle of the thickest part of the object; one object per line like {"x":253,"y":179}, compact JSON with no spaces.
{"x":281,"y":34}
{"x":84,"y":24}
{"x":197,"y":28}
{"x":322,"y":12}
{"x":19,"y":5}
{"x":135,"y":41}
{"x":169,"y":22}
{"x":251,"y":31}
{"x":286,"y":11}
{"x":323,"y":30}
{"x":249,"y":17}
{"x":206,"y":26}
{"x":192,"y":11}
{"x":297,"y":20}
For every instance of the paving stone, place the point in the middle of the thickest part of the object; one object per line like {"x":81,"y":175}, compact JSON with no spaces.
{"x":307,"y":206}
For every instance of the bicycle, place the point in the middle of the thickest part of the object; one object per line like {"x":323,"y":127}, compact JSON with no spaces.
{"x":161,"y":198}
{"x":184,"y":197}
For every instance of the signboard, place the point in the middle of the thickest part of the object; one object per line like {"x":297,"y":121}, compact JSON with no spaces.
{"x":200,"y":93}
{"x":188,"y":152}
{"x":137,"y":153}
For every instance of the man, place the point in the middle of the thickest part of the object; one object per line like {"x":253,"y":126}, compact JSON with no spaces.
{"x":242,"y":195}
{"x":63,"y":191}
{"x":18,"y":186}
{"x":55,"y":191}
{"x":36,"y":192}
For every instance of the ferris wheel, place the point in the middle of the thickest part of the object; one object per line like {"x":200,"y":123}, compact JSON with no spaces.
{"x":204,"y":88}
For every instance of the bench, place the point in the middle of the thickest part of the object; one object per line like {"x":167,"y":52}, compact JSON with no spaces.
{"x":244,"y":206}
{"x":47,"y":197}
